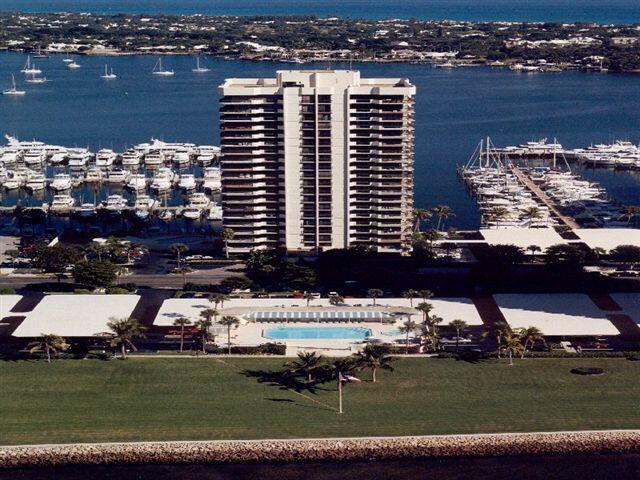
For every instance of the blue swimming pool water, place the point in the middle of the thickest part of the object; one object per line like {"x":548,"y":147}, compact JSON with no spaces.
{"x":345,"y":333}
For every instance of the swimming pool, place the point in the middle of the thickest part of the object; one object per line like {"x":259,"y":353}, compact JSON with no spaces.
{"x":319,"y":333}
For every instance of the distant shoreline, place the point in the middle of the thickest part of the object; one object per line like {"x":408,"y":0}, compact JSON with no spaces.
{"x":314,"y":450}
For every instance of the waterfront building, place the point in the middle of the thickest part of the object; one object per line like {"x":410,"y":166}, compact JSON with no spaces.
{"x":317,"y":159}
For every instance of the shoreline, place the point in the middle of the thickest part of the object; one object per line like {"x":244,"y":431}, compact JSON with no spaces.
{"x":321,"y":450}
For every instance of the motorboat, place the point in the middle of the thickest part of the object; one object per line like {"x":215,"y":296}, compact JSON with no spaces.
{"x":79,"y":158}
{"x":86,"y":210}
{"x":62,"y":203}
{"x":115,"y":203}
{"x":143,"y":206}
{"x":154,"y":159}
{"x":36,"y":182}
{"x":181,"y":158}
{"x":94,"y":175}
{"x":73,"y":65}
{"x":212,"y":179}
{"x":207,"y":154}
{"x":61,"y":182}
{"x":215,"y":212}
{"x":118,"y":176}
{"x":187,"y":181}
{"x":166,"y":215}
{"x":58,"y":158}
{"x":163,"y":180}
{"x":137,"y":182}
{"x":105,"y":158}
{"x":34,"y":158}
{"x":131,"y":158}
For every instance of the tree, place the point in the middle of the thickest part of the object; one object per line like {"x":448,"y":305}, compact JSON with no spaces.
{"x":374,"y":358}
{"x":501,"y":332}
{"x":12,"y":253}
{"x":229,"y":322}
{"x":512,"y":346}
{"x":629,"y":213}
{"x":308,"y":296}
{"x":419,"y":216}
{"x":57,"y":258}
{"x":336,"y":300}
{"x":204,"y":325}
{"x":460,"y":326}
{"x":497,"y":214}
{"x":306,"y":364}
{"x":178,"y":249}
{"x":95,"y":273}
{"x":218,"y":299}
{"x":443,"y":212}
{"x":626,"y":254}
{"x":425,"y":294}
{"x":183,"y":271}
{"x":533,"y":249}
{"x":50,"y":343}
{"x":425,"y":308}
{"x":432,"y":322}
{"x":531,"y":213}
{"x":565,"y":256}
{"x":227,"y":235}
{"x":374,"y":293}
{"x":122,"y":332}
{"x":529,"y":337}
{"x":410,"y":294}
{"x":181,"y":322}
{"x":407,"y":327}
{"x":209,"y":314}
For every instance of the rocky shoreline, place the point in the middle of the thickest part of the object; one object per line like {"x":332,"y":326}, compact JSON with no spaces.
{"x":312,"y":450}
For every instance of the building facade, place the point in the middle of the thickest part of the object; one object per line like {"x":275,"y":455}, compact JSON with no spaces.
{"x":317,"y":159}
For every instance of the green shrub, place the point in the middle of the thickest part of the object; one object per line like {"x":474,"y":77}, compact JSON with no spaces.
{"x":7,"y":291}
{"x":116,"y":291}
{"x":82,"y":291}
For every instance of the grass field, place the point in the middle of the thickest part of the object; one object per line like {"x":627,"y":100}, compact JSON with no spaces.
{"x":170,"y":399}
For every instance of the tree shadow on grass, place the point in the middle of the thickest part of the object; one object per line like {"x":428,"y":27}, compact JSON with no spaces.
{"x":283,"y":380}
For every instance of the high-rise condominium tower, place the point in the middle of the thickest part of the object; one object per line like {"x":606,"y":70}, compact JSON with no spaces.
{"x":317,"y":159}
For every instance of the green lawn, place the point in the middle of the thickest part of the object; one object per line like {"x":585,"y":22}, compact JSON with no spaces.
{"x":168,"y":399}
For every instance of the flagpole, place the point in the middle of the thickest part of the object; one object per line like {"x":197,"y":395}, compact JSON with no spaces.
{"x":340,"y":392}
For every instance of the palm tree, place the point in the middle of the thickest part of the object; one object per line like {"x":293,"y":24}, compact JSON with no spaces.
{"x":12,"y":253}
{"x":227,"y":235}
{"x":501,"y":331}
{"x":229,"y":322}
{"x":123,"y":331}
{"x":178,"y":249}
{"x":407,"y":327}
{"x":410,"y":294}
{"x":420,"y":215}
{"x":442,"y":212}
{"x":374,"y":293}
{"x":308,"y":296}
{"x":306,"y":364}
{"x":209,"y":314}
{"x":529,"y":337}
{"x":181,"y":322}
{"x":183,"y":271}
{"x":432,"y":322}
{"x":374,"y":357}
{"x":534,"y":249}
{"x":204,"y":325}
{"x":512,"y":346}
{"x":460,"y":326}
{"x":425,"y":294}
{"x":218,"y":299}
{"x":425,"y":308}
{"x":629,"y":212}
{"x":336,"y":300}
{"x":531,"y":213}
{"x":50,"y":343}
{"x":498,"y":213}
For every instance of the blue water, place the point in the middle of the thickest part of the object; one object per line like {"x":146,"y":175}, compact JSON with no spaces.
{"x":313,"y":333}
{"x":601,"y":11}
{"x":454,"y":110}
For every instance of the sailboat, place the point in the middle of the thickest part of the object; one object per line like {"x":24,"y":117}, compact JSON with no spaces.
{"x":108,"y":75}
{"x":13,"y":90}
{"x":67,"y":59}
{"x":35,"y":79}
{"x":200,"y":69}
{"x":157,"y":69}
{"x":30,"y":69}
{"x":40,"y":54}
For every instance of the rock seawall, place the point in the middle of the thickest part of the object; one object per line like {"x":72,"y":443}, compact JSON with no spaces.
{"x":623,"y":441}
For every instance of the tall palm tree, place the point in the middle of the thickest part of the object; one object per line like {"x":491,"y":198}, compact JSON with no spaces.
{"x":512,"y":346}
{"x":497,"y":214}
{"x":227,"y":235}
{"x":534,"y":249}
{"x":229,"y":321}
{"x":209,"y":314}
{"x":50,"y":343}
{"x":630,"y":212}
{"x":408,"y":327}
{"x":218,"y":299}
{"x":305,"y":364}
{"x":308,"y":296}
{"x":501,"y":331}
{"x":460,"y":326}
{"x":122,"y":331}
{"x":181,"y":322}
{"x":432,"y":322}
{"x":374,"y":358}
{"x":374,"y":293}
{"x":410,"y":294}
{"x":420,"y":215}
{"x":425,"y":308}
{"x":529,"y":337}
{"x":178,"y":249}
{"x":443,"y":212}
{"x":425,"y":294}
{"x":531,"y":213}
{"x":183,"y":271}
{"x":204,"y":325}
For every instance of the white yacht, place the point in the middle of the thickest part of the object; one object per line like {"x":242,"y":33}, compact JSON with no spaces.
{"x":86,"y":210}
{"x":79,"y":158}
{"x":163,"y":179}
{"x":215,"y":213}
{"x":58,"y":158}
{"x":187,"y":181}
{"x":105,"y":158}
{"x":73,"y":65}
{"x":144,"y":204}
{"x":62,"y":203}
{"x":154,"y":159}
{"x":94,"y":175}
{"x":212,"y":179}
{"x":158,"y":70}
{"x":61,"y":182}
{"x":29,"y":68}
{"x":108,"y":74}
{"x":181,"y":158}
{"x":137,"y":182}
{"x":118,"y":176}
{"x":13,"y":181}
{"x":36,"y":182}
{"x":67,"y":59}
{"x":10,"y":156}
{"x":200,"y":69}
{"x":131,"y":158}
{"x":198,"y":203}
{"x":13,"y":90}
{"x":166,"y":215}
{"x":34,"y":158}
{"x":207,"y":154}
{"x":115,"y":203}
